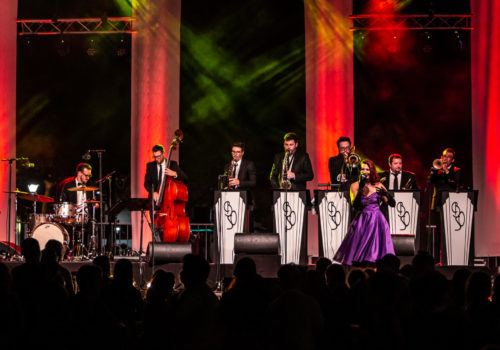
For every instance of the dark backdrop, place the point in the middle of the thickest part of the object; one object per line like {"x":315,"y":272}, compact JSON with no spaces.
{"x":242,"y":79}
{"x":412,"y":92}
{"x":68,"y":101}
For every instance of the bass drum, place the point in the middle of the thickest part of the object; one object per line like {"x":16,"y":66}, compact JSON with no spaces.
{"x":45,"y":232}
{"x":36,"y":220}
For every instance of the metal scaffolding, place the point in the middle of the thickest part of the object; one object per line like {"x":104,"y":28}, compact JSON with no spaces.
{"x":111,"y":25}
{"x":410,"y":22}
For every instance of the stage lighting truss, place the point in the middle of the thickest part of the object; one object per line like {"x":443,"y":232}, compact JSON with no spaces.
{"x":410,"y":22}
{"x":110,"y":25}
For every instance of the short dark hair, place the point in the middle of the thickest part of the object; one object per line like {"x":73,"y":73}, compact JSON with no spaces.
{"x":159,"y":147}
{"x":82,"y":166}
{"x":449,"y":149}
{"x":394,"y":155}
{"x":240,"y":145}
{"x":291,"y":136}
{"x":343,"y":139}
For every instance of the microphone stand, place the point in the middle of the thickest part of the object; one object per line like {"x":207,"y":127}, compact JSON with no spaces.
{"x":87,"y":157}
{"x":285,"y":205}
{"x":218,"y":280}
{"x":100,"y":181}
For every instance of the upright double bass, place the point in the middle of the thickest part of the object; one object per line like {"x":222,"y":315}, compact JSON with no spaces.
{"x":170,"y":217}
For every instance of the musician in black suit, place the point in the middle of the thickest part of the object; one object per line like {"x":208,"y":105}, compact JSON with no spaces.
{"x":298,"y":163}
{"x":445,"y":177}
{"x":396,"y":178}
{"x":157,"y":168}
{"x":82,"y":177}
{"x":244,"y":175}
{"x":340,"y":170}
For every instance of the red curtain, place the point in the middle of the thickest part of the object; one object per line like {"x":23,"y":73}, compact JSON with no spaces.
{"x":329,"y":87}
{"x":8,"y":50}
{"x":155,"y":90}
{"x":485,"y":71}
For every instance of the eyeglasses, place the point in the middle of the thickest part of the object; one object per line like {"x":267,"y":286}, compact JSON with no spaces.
{"x":236,"y":152}
{"x":344,"y":149}
{"x":87,"y":176}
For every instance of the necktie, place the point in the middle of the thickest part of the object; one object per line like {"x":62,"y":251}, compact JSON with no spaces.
{"x":234,"y":170}
{"x":159,"y":174}
{"x":396,"y":184}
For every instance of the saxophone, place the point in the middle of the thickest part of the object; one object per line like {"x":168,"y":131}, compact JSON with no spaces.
{"x":284,"y":182}
{"x":230,"y":175}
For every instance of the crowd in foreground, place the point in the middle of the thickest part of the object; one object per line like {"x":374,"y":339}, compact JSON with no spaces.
{"x":382,"y":307}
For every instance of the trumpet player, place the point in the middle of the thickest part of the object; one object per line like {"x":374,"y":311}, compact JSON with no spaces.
{"x":242,"y":173}
{"x":396,"y":178}
{"x":444,"y":175}
{"x":344,"y":168}
{"x":291,"y":168}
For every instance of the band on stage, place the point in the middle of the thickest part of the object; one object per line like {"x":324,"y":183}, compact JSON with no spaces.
{"x":73,"y":220}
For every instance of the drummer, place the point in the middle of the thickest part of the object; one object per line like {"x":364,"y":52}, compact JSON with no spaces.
{"x":83,"y":175}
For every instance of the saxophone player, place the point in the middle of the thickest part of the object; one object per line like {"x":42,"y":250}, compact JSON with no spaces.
{"x":291,"y":168}
{"x":242,"y":173}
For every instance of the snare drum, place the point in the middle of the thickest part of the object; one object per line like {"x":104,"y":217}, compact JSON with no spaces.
{"x":38,"y":219}
{"x":45,"y":232}
{"x":65,"y":212}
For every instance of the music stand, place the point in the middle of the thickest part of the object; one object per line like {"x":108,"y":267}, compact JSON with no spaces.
{"x":133,"y":204}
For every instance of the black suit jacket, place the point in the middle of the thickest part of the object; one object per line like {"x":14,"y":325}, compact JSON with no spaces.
{"x":63,"y":195}
{"x":151,"y":176}
{"x":337,"y":166}
{"x":247,"y":174}
{"x":407,"y":177}
{"x":444,"y":182}
{"x":301,"y":166}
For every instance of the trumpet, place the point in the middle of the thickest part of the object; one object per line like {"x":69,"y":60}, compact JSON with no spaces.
{"x":353,"y":159}
{"x":284,"y":182}
{"x":437,"y":164}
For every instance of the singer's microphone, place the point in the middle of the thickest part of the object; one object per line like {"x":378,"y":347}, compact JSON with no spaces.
{"x":363,"y":177}
{"x":87,"y":156}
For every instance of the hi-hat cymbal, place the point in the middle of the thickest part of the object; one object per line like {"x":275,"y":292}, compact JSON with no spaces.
{"x":83,"y":188}
{"x":16,"y":192}
{"x":36,"y":198}
{"x":92,"y":201}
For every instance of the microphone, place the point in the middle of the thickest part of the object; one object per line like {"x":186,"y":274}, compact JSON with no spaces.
{"x":363,"y":177}
{"x":87,"y":156}
{"x":25,"y":162}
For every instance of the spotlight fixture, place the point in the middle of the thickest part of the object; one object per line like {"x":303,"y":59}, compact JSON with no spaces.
{"x":121,"y":50}
{"x":91,"y":51}
{"x":32,"y":188}
{"x":62,"y":47}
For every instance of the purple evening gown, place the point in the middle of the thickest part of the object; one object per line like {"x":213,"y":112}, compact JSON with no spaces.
{"x":369,"y":237}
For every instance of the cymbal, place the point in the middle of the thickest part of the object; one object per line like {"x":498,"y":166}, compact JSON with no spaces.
{"x":92,"y":201}
{"x":36,"y":198}
{"x":83,"y":188}
{"x":16,"y":192}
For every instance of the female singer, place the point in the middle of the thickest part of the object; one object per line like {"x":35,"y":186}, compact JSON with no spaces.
{"x":369,"y":237}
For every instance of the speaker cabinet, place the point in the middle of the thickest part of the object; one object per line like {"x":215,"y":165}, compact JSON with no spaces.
{"x":163,"y":253}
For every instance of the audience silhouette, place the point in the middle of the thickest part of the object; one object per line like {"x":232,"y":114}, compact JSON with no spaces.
{"x":372,"y":307}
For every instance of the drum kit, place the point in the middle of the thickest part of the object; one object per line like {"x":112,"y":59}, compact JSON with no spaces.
{"x":64,"y":219}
